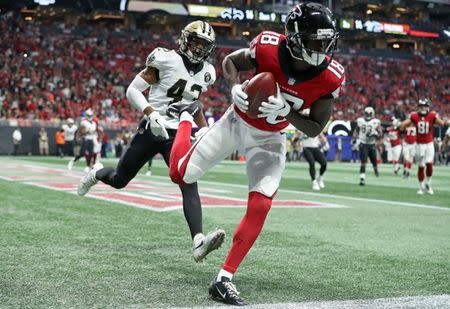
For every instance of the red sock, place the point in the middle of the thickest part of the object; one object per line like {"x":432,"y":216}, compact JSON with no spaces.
{"x":405,"y":164}
{"x":421,"y":173}
{"x":248,"y":230}
{"x":409,"y":164}
{"x":180,"y":147}
{"x":429,"y":169}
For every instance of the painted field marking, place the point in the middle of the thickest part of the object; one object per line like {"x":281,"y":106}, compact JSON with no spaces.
{"x":425,"y":302}
{"x":149,"y":194}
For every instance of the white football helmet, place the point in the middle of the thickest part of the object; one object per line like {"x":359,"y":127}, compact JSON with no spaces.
{"x":89,"y":114}
{"x":197,"y":41}
{"x":395,"y":122}
{"x":369,"y":113}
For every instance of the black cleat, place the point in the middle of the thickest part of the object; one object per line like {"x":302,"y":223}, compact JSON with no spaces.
{"x":224,"y":291}
{"x":176,"y":109}
{"x":362,"y":182}
{"x":377,"y":174}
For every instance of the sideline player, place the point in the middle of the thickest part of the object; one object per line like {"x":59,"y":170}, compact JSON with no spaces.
{"x":424,"y":121}
{"x":409,"y":150}
{"x":69,"y":137}
{"x":368,"y":130}
{"x":177,"y":78}
{"x":313,"y":153}
{"x":396,"y":144}
{"x":445,"y":146}
{"x":308,"y":77}
{"x":88,"y":134}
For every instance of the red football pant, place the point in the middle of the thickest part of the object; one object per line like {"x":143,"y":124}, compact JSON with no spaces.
{"x":180,"y":148}
{"x":248,"y":230}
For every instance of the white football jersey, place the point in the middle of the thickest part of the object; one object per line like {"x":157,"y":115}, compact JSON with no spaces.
{"x":91,"y":129}
{"x":176,"y":83}
{"x":368,"y":130}
{"x":448,"y":132}
{"x":69,"y":132}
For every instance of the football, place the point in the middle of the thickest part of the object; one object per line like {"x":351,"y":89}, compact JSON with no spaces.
{"x":260,"y":87}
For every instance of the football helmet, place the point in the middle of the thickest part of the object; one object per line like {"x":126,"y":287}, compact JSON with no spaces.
{"x":395,"y":122}
{"x":89,"y":114}
{"x":70,"y":121}
{"x":424,"y":106}
{"x":369,"y":113}
{"x":311,"y":33}
{"x":197,"y":41}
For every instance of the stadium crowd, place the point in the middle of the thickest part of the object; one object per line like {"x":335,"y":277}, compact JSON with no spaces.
{"x":54,"y":71}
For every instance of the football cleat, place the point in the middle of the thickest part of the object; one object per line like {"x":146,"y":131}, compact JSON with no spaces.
{"x":148,"y":173}
{"x":224,"y":291}
{"x":176,"y":109}
{"x":362,"y":182}
{"x":420,"y":191}
{"x":87,"y":169}
{"x":89,"y":180}
{"x":377,"y":174}
{"x":429,"y":190}
{"x":321,"y":183}
{"x":202,"y":246}
{"x":70,"y":164}
{"x":315,"y":185}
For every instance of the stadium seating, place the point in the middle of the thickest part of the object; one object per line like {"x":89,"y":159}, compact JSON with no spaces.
{"x":55,"y":71}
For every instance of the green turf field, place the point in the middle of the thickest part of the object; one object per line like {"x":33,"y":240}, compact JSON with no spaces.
{"x":61,"y":250}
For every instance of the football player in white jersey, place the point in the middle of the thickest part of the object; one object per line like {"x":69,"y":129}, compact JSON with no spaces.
{"x":445,"y":146}
{"x":88,"y":134}
{"x":368,"y":129}
{"x":69,"y":136}
{"x":176,"y":79}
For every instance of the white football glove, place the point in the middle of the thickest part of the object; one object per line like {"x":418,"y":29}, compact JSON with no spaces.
{"x":156,"y":123}
{"x":239,"y":96}
{"x":277,"y":106}
{"x":200,"y":132}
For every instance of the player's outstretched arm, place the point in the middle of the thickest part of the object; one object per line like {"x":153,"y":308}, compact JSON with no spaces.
{"x":405,"y":124}
{"x":237,"y":61}
{"x":318,"y":117}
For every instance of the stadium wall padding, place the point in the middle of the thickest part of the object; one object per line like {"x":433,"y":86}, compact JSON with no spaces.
{"x":30,"y":143}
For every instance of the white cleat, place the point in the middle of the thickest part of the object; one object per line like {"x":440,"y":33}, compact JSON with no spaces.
{"x":429,"y":190}
{"x":88,"y":180}
{"x":420,"y":191}
{"x":87,"y":169}
{"x":70,"y":164}
{"x":203,"y":245}
{"x":315,"y":185}
{"x":148,"y":173}
{"x":321,"y":184}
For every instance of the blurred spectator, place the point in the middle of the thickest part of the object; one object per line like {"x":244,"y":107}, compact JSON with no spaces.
{"x":16,"y":139}
{"x":59,"y":141}
{"x":43,"y":142}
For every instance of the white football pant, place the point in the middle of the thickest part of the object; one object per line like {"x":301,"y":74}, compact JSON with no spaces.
{"x":425,"y":153}
{"x":264,"y":152}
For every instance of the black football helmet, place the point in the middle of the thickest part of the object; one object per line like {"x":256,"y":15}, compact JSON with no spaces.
{"x":424,"y":106}
{"x":311,"y":33}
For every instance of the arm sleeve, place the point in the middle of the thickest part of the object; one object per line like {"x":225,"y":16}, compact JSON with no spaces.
{"x":134,"y":93}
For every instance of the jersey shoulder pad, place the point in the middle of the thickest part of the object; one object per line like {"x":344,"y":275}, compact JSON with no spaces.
{"x":336,"y":77}
{"x":265,"y":42}
{"x":210,"y":73}
{"x":159,"y":58}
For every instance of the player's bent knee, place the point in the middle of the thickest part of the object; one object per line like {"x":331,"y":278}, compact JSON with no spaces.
{"x":192,"y":173}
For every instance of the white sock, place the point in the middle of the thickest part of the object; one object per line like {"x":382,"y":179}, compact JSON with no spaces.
{"x":185,"y":116}
{"x":422,"y":185}
{"x":224,"y":273}
{"x":428,"y":181}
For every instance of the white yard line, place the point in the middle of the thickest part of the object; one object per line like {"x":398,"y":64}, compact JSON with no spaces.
{"x":380,"y":201}
{"x":424,"y":302}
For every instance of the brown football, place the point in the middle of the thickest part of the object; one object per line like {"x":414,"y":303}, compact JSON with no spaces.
{"x":260,"y":87}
